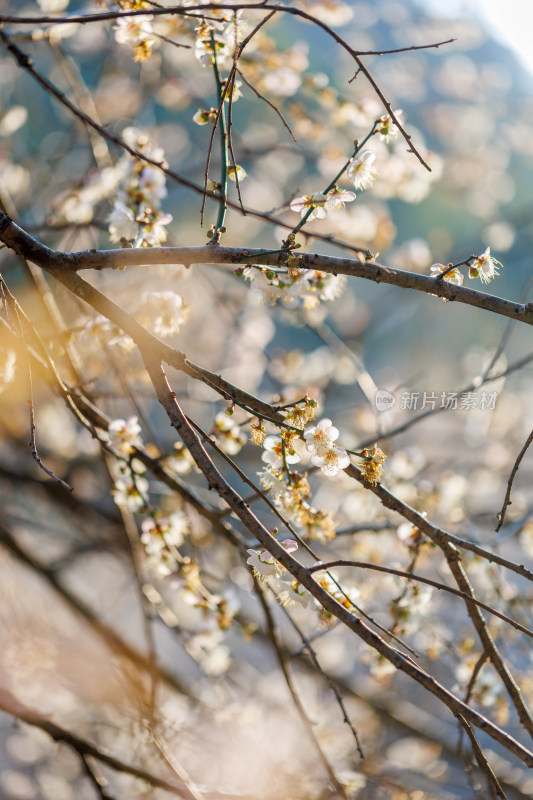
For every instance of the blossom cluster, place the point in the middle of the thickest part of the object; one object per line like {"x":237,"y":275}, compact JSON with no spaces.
{"x":136,"y":219}
{"x":319,"y":204}
{"x":217,"y":37}
{"x":290,"y":591}
{"x":360,"y":170}
{"x":288,"y":489}
{"x":161,"y":536}
{"x":485,"y":267}
{"x":130,"y":485}
{"x":320,"y":442}
{"x":293,"y":285}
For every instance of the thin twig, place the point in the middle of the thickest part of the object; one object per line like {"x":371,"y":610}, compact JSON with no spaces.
{"x":507,"y":499}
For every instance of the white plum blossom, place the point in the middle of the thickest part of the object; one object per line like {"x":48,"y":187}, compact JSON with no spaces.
{"x":236,"y":173}
{"x":152,"y":181}
{"x":319,"y":438}
{"x":331,"y":460}
{"x":229,"y":436}
{"x":133,"y":30}
{"x":203,"y":51}
{"x":122,"y":223}
{"x":407,"y":534}
{"x":99,"y":329}
{"x":293,"y":594}
{"x":308,"y":285}
{"x":136,"y":219}
{"x":485,"y":267}
{"x":164,"y":312}
{"x":137,"y":32}
{"x":361,"y":170}
{"x":330,"y":286}
{"x":227,"y":32}
{"x":212,"y":657}
{"x":235,"y":92}
{"x":263,"y":563}
{"x":315,"y":201}
{"x":336,"y":198}
{"x":181,"y":461}
{"x":154,"y":232}
{"x":124,"y":435}
{"x":273,"y":484}
{"x":129,"y":492}
{"x":273,"y":452}
{"x":203,"y":117}
{"x":453,"y":276}
{"x":387,"y":128}
{"x":159,"y":532}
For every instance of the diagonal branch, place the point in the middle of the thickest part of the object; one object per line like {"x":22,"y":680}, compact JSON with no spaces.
{"x":217,"y":483}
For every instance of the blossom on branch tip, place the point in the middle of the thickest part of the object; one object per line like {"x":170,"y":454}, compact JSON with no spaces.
{"x":484,"y":267}
{"x":386,"y":127}
{"x":203,"y":116}
{"x":361,"y":170}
